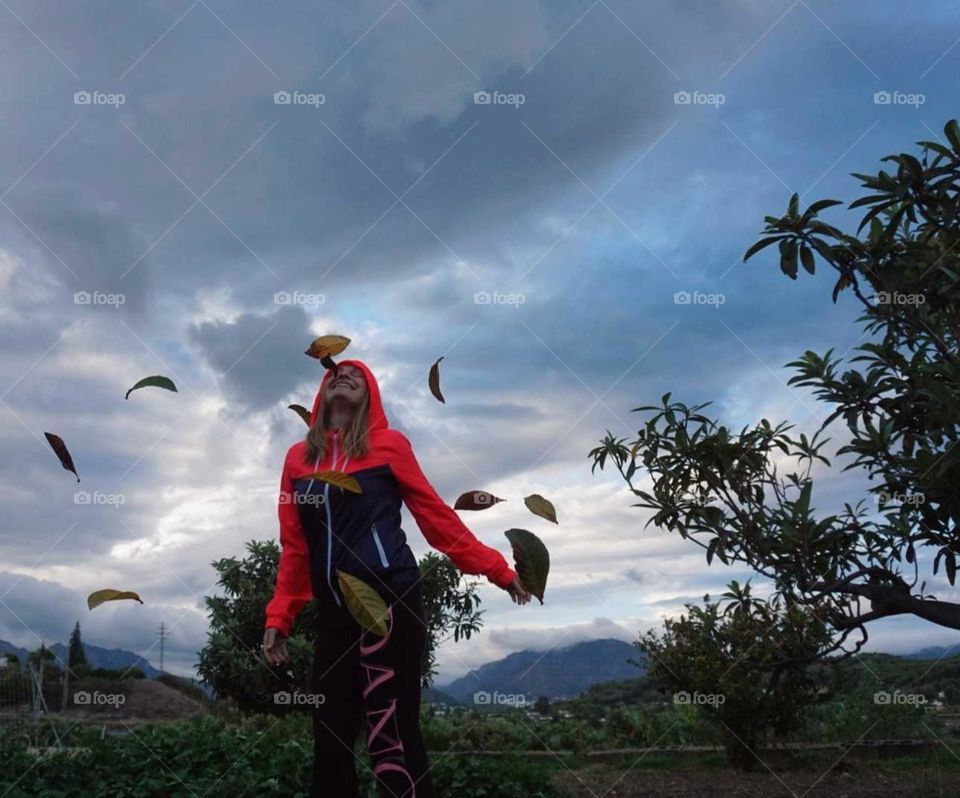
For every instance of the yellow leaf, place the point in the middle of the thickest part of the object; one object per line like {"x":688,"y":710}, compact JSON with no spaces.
{"x":364,"y":603}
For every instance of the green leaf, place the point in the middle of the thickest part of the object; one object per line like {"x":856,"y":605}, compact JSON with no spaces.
{"x":532,"y":560}
{"x":793,"y":209}
{"x":806,"y":258}
{"x":538,"y":505}
{"x":952,"y":131}
{"x":761,"y":244}
{"x":157,"y":381}
{"x":788,"y":258}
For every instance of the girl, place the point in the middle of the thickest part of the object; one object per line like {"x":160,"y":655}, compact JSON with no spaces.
{"x":324,"y":529}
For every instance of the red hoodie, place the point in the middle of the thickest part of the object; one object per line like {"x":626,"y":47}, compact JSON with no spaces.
{"x":324,"y":528}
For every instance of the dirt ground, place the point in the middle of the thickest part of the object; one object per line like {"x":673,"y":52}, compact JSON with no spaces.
{"x":143,"y":699}
{"x":859,"y":782}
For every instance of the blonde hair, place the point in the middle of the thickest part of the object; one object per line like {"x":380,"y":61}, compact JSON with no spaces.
{"x":354,"y":437}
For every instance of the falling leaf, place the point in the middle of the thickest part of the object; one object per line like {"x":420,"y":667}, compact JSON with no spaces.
{"x":337,"y":478}
{"x":435,"y":380}
{"x":60,"y":450}
{"x":532,"y":560}
{"x":301,"y":411}
{"x":537,"y":505}
{"x":324,"y":347}
{"x":327,"y":345}
{"x":475,"y":500}
{"x":97,"y":598}
{"x":327,"y":362}
{"x":364,"y":603}
{"x":156,"y":381}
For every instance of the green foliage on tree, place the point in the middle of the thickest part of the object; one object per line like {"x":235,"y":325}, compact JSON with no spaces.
{"x":747,"y":497}
{"x":716,"y":660}
{"x":232,"y":662}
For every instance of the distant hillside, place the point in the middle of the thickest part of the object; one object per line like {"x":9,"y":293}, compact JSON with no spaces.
{"x":434,"y":696}
{"x":934,"y":652}
{"x":97,"y":657}
{"x":557,"y":673}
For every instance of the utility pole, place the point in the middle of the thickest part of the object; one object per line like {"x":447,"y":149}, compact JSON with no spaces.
{"x":163,"y":636}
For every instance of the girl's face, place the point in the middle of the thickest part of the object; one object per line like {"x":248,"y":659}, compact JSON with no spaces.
{"x":349,"y":385}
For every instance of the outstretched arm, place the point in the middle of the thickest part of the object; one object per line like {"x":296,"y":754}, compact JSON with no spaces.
{"x":293,"y":589}
{"x":441,"y":525}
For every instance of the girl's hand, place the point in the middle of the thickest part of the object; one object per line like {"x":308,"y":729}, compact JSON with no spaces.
{"x":274,"y":646}
{"x":518,"y":592}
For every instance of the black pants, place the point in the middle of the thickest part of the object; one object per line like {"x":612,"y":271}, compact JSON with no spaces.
{"x":365,"y":677}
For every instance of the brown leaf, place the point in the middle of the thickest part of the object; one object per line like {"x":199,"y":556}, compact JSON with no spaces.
{"x":327,"y":345}
{"x":435,"y":380}
{"x":60,"y":450}
{"x":476,"y":500}
{"x":301,"y":411}
{"x":328,"y":363}
{"x":97,"y":598}
{"x":537,"y":505}
{"x":337,"y":478}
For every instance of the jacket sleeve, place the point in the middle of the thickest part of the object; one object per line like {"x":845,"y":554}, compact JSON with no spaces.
{"x":440,"y":524}
{"x":293,"y":588}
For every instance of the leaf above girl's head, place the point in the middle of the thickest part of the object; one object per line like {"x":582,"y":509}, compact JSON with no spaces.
{"x":434,"y":380}
{"x":325,"y":347}
{"x":532,"y":560}
{"x":301,"y":411}
{"x":61,"y":451}
{"x":537,"y":505}
{"x":97,"y":598}
{"x":338,"y":479}
{"x":364,"y":603}
{"x":156,"y":381}
{"x":476,"y":500}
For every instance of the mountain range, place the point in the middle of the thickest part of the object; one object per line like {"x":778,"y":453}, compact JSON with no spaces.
{"x":556,"y":673}
{"x":98,"y":657}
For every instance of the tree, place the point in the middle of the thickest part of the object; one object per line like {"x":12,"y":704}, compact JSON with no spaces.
{"x":450,"y":603}
{"x":717,"y":659}
{"x":232,"y":663}
{"x":899,"y":398}
{"x":77,"y":664}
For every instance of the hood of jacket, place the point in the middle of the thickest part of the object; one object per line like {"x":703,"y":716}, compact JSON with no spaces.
{"x":376,"y":417}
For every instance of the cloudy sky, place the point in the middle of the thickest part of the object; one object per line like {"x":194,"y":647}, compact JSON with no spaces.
{"x":198,"y":189}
